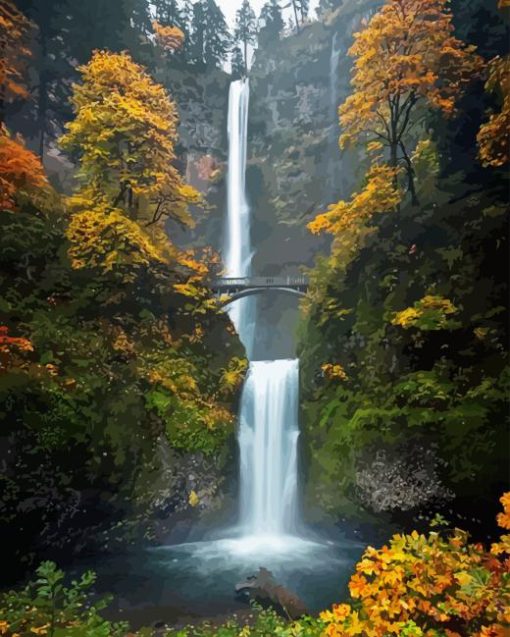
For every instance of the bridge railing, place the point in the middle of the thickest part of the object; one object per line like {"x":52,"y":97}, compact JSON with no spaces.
{"x":260,"y":282}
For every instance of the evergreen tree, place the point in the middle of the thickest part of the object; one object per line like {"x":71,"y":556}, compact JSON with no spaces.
{"x":246,"y":29}
{"x":271,"y":21}
{"x":218,"y":39}
{"x":51,"y":72}
{"x":210,"y":37}
{"x":237,"y":61}
{"x":301,"y":9}
{"x":169,"y":13}
{"x":198,"y":32}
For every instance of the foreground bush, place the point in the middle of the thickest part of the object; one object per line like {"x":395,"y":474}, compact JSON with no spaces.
{"x":47,"y":607}
{"x":437,"y":585}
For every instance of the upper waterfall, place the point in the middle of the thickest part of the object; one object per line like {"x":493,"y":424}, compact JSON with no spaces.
{"x":237,"y":257}
{"x":237,"y":251}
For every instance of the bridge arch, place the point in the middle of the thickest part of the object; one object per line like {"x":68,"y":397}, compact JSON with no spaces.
{"x":242,"y":287}
{"x":253,"y":291}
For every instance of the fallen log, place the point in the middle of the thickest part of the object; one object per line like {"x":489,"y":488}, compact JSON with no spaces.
{"x":263,"y":588}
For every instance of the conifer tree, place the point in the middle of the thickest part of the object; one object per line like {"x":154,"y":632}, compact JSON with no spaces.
{"x":169,"y":13}
{"x":271,"y":21}
{"x":210,"y":37}
{"x":246,"y":29}
{"x":237,"y":61}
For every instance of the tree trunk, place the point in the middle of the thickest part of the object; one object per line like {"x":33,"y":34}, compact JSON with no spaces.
{"x":296,"y":15}
{"x":246,"y":58}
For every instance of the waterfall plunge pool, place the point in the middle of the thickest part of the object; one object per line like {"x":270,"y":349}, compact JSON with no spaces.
{"x":191,"y":582}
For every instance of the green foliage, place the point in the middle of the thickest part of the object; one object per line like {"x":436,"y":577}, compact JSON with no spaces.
{"x":117,"y":376}
{"x":430,"y":376}
{"x":47,"y":607}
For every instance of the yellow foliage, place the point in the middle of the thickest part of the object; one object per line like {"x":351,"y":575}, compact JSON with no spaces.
{"x":379,"y":195}
{"x":193,"y":499}
{"x":334,"y":372}
{"x":428,"y":584}
{"x":232,"y":377}
{"x":110,"y":241}
{"x":430,"y":312}
{"x":405,"y":55}
{"x":124,"y":134}
{"x":494,"y":136}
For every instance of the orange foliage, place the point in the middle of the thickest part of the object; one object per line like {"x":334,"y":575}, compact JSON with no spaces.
{"x":14,"y":28}
{"x":429,"y":585}
{"x":20,"y":170}
{"x":169,"y":38}
{"x":378,"y":195}
{"x":406,"y":55}
{"x":494,"y":136}
{"x":11,"y":347}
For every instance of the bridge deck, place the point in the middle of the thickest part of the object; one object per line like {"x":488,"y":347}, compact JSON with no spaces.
{"x":233,"y":284}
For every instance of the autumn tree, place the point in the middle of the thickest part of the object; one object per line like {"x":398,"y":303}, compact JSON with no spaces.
{"x":246,"y":29}
{"x":271,"y":22}
{"x":21,"y":172}
{"x":406,"y":57}
{"x":494,"y":135}
{"x":123,"y":137}
{"x":169,"y":38}
{"x":14,"y":30}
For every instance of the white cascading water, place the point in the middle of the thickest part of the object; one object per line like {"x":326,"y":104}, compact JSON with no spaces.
{"x":268,"y":442}
{"x":268,"y":432}
{"x":237,"y":252}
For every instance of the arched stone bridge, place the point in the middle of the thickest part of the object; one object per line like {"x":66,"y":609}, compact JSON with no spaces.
{"x":238,"y":288}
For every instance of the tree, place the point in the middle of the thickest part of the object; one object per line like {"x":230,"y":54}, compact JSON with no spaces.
{"x":14,"y":31}
{"x":169,"y":13}
{"x":494,"y":135}
{"x":211,"y":39}
{"x":169,"y":38}
{"x":300,"y":8}
{"x":406,"y":56}
{"x":237,"y":63}
{"x":21,"y":171}
{"x":217,"y":35}
{"x":246,"y":29}
{"x":272,"y":22}
{"x":123,"y":137}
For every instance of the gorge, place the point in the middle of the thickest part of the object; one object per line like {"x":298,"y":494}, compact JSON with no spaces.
{"x":254,"y":318}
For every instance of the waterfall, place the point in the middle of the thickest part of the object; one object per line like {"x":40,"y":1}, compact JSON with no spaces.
{"x":237,"y":251}
{"x":268,"y":432}
{"x":268,"y":443}
{"x":237,"y":248}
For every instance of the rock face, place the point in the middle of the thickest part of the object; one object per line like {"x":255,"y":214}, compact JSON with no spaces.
{"x":296,"y":168}
{"x":263,"y":588}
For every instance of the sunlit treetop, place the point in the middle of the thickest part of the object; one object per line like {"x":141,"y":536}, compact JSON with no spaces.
{"x":405,"y":56}
{"x":406,"y":53}
{"x":123,"y":137}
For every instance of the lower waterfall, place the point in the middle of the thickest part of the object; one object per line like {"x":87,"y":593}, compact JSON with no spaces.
{"x":268,"y":439}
